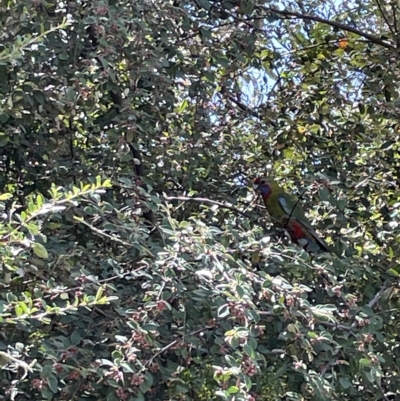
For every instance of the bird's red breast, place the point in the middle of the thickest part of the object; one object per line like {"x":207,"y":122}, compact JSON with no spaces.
{"x":296,"y":230}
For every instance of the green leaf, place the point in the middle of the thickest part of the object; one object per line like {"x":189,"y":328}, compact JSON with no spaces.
{"x":47,"y":371}
{"x":39,"y":250}
{"x":99,"y":293}
{"x":325,"y":194}
{"x":248,"y":383}
{"x":223,"y":311}
{"x":365,"y":362}
{"x":233,"y":390}
{"x":230,"y":360}
{"x":52,"y":382}
{"x":19,"y":310}
{"x":345,"y":382}
{"x":263,"y":349}
{"x":140,"y":397}
{"x":5,"y":196}
{"x":204,"y":3}
{"x":249,"y":351}
{"x":183,"y":106}
{"x":146,"y":385}
{"x":33,"y":229}
{"x":75,"y":338}
{"x":341,"y":204}
{"x":184,"y":224}
{"x":392,"y":272}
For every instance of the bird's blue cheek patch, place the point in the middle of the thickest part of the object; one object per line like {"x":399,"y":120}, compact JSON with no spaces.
{"x":264,"y":190}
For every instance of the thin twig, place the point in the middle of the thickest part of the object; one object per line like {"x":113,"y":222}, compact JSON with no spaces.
{"x":206,"y":200}
{"x":394,"y":18}
{"x":384,"y":17}
{"x":376,"y":298}
{"x":294,"y":207}
{"x":329,"y":324}
{"x":371,"y":304}
{"x":102,"y":233}
{"x":167,"y":347}
{"x":308,"y":47}
{"x":81,"y":287}
{"x":241,"y":105}
{"x":249,"y":110}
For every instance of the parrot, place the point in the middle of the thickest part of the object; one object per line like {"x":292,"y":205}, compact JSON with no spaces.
{"x":286,"y":210}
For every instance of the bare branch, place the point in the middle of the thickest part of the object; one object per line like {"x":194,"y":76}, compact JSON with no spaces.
{"x":376,"y":298}
{"x":241,"y":105}
{"x":344,"y":27}
{"x":245,"y":108}
{"x":384,"y":17}
{"x":206,"y":200}
{"x":394,"y":18}
{"x":167,"y":347}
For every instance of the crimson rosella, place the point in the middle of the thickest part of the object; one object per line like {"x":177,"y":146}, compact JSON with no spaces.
{"x":286,"y":210}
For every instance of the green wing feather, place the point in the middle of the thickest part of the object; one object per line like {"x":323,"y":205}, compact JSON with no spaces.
{"x":293,"y":210}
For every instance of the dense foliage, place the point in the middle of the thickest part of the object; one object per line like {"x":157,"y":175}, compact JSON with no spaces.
{"x":136,"y":262}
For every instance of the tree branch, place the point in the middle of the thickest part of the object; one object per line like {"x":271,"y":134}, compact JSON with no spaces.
{"x":377,"y":296}
{"x":394,"y":19}
{"x":344,"y":27}
{"x":206,"y":200}
{"x":241,"y":105}
{"x":245,"y":108}
{"x":167,"y":347}
{"x":384,"y":17}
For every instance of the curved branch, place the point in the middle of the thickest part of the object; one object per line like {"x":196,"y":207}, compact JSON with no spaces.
{"x":338,"y":25}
